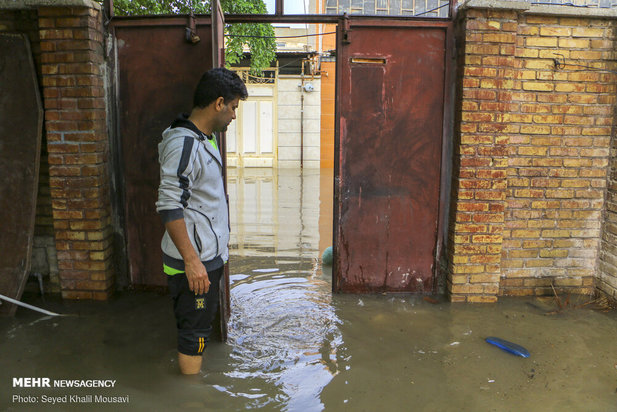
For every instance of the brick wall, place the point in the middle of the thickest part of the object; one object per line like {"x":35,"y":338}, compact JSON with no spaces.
{"x":557,"y":172}
{"x":536,"y":113}
{"x":71,"y":43}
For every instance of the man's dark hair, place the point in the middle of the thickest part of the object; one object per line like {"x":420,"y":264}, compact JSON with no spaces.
{"x":218,"y":82}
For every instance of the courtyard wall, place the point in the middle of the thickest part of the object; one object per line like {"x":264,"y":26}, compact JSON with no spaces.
{"x":535,"y":118}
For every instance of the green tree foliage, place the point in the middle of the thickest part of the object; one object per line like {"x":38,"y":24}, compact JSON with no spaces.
{"x":259,"y":38}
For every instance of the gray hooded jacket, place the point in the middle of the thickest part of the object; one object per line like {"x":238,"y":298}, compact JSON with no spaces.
{"x":192,"y":187}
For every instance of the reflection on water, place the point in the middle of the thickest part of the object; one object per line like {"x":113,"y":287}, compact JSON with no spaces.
{"x":283,"y":329}
{"x":295,"y":347}
{"x":277,"y":212}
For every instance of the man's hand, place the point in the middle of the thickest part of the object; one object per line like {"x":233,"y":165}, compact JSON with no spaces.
{"x":196,"y":273}
{"x":197,"y":276}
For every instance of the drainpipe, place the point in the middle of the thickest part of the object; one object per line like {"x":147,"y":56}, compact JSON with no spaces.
{"x":303,"y":88}
{"x":302,"y":116}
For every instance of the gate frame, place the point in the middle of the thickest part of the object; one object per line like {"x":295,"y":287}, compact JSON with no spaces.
{"x":342,"y":22}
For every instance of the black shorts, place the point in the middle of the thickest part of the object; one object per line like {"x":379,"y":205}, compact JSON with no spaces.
{"x":194,"y":313}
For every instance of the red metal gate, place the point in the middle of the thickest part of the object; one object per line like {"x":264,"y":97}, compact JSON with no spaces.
{"x":21,"y":126}
{"x":391,"y":77}
{"x":158,"y":71}
{"x":388,"y":155}
{"x":160,"y":61}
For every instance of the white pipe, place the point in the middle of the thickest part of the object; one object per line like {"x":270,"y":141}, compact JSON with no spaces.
{"x":25,"y":305}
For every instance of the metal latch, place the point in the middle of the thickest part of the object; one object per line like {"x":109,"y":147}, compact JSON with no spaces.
{"x":345,"y":29}
{"x":190,"y":32}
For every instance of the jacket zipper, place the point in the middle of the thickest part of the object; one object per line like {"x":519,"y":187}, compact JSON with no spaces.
{"x":197,"y":240}
{"x":211,"y":228}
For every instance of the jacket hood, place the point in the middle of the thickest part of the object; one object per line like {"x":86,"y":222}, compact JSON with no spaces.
{"x":182,"y":127}
{"x":183,"y":121}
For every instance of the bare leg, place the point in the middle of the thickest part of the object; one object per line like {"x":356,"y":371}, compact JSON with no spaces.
{"x":189,"y":365}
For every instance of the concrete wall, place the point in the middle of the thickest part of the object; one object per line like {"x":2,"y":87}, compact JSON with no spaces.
{"x":535,"y":117}
{"x":289,"y":136}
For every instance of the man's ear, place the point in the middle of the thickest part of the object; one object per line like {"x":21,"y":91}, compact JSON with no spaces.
{"x":219,"y":103}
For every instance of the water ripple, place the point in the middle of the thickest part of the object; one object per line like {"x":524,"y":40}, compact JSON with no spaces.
{"x":284,"y":331}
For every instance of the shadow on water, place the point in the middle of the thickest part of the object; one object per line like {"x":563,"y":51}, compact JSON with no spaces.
{"x":294,"y":346}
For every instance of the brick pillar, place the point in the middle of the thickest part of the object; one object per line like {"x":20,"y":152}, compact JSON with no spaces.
{"x":75,"y":123}
{"x":481,"y":156}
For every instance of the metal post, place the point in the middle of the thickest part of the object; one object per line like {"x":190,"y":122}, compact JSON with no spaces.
{"x":108,"y":6}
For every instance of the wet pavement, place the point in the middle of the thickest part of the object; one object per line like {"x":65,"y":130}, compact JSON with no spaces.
{"x":294,"y":346}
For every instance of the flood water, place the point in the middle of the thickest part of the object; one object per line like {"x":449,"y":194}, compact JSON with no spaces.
{"x":294,"y":346}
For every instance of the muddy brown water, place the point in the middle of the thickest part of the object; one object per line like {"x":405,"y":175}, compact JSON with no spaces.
{"x":294,"y":346}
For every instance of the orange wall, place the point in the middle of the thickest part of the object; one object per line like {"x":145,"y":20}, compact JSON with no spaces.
{"x":328,"y":76}
{"x":328,"y":40}
{"x":327,"y":114}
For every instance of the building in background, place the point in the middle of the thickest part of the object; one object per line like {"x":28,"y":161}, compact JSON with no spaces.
{"x":288,"y":119}
{"x":406,"y":8}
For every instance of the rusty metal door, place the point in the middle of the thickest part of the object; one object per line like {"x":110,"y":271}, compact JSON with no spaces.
{"x":158,"y":69}
{"x":21,"y":125}
{"x":388,"y":155}
{"x":160,"y":61}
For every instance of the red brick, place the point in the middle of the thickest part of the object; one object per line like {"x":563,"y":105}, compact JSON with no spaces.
{"x":475,"y":162}
{"x":53,"y":34}
{"x":60,"y":103}
{"x":473,"y":207}
{"x":72,"y":21}
{"x":64,"y":170}
{"x":91,"y":103}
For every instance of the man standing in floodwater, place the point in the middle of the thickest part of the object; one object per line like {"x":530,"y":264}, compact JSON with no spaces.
{"x":193,"y":207}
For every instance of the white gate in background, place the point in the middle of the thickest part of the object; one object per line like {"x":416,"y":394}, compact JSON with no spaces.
{"x":252,"y":138}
